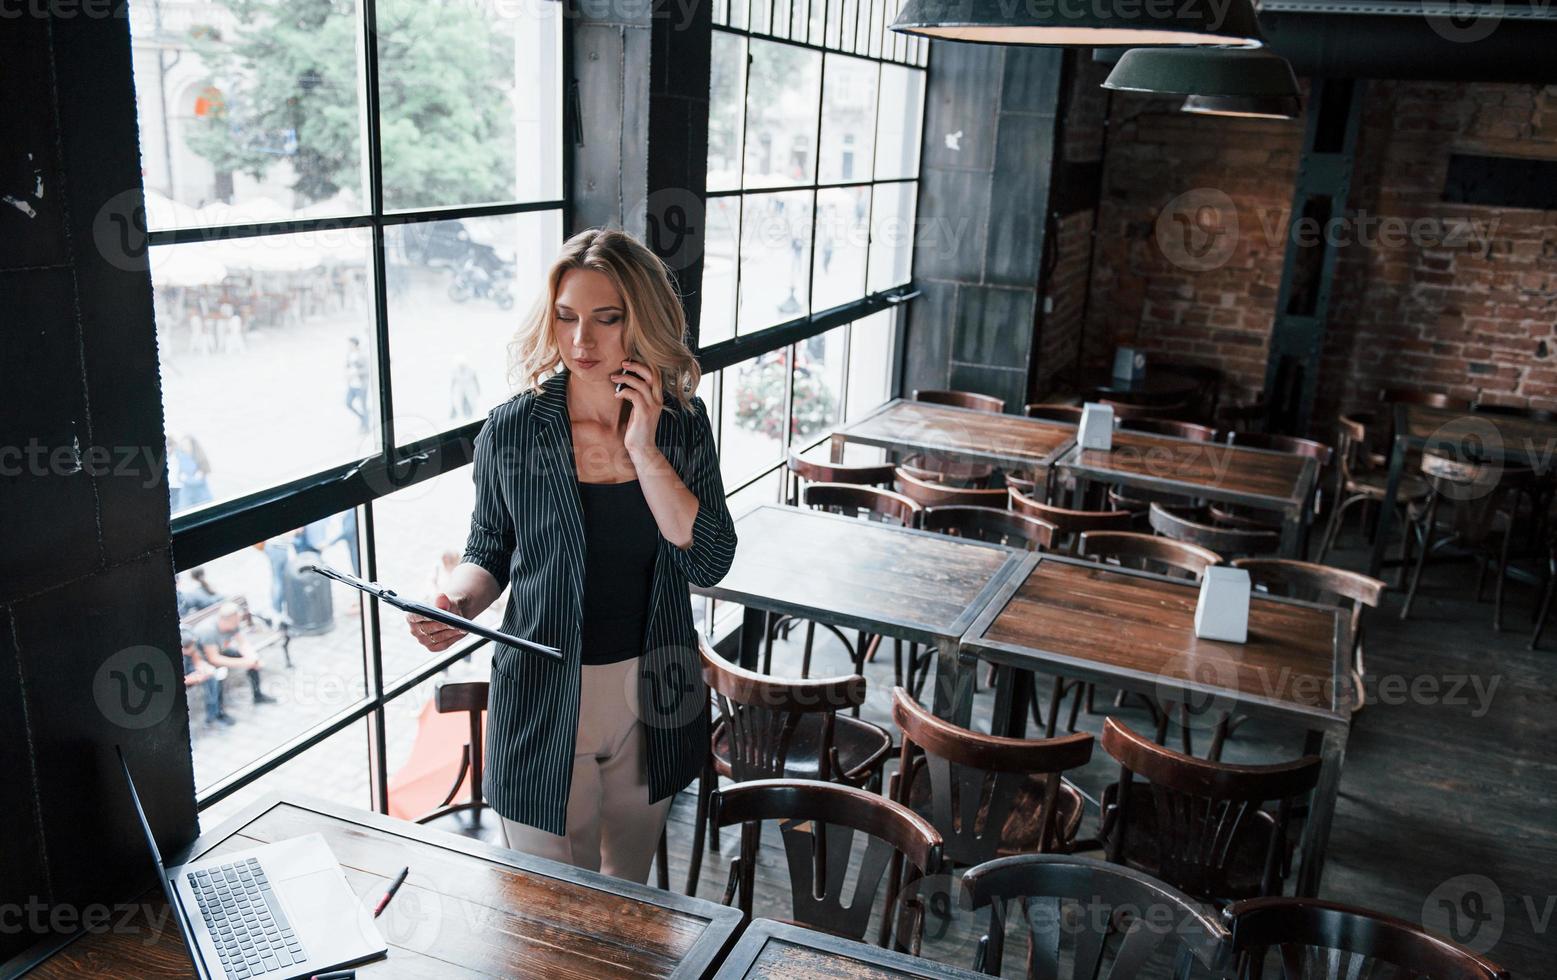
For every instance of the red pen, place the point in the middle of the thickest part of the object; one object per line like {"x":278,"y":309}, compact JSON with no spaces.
{"x":394,"y":886}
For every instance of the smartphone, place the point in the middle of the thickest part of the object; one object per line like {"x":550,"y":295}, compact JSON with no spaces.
{"x":627,"y":405}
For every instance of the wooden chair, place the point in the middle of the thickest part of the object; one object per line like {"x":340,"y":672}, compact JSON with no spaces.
{"x":1322,"y":454}
{"x":772,"y":727}
{"x":1312,"y":582}
{"x":1361,"y":480}
{"x":816,"y":471}
{"x":818,"y":823}
{"x":1486,"y":498}
{"x":1124,"y":922}
{"x":987,"y":796}
{"x":1068,"y":524}
{"x":960,"y":399}
{"x":949,"y":471}
{"x":1053,"y":413}
{"x":1248,"y":414}
{"x":1195,"y":527}
{"x":1342,"y":942}
{"x":1148,"y":553}
{"x":1198,"y":825}
{"x":1170,"y":427}
{"x":1209,"y":399}
{"x":1125,"y":411}
{"x":1516,"y":411}
{"x":931,"y":493}
{"x":470,"y":697}
{"x":990,"y":524}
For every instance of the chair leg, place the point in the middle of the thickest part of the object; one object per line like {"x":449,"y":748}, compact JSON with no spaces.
{"x":1428,"y":521}
{"x":662,"y":864}
{"x":1218,"y":737}
{"x":705,"y":786}
{"x":1497,"y":591}
{"x":1333,"y":527}
{"x":1545,"y":604}
{"x":1056,"y":696}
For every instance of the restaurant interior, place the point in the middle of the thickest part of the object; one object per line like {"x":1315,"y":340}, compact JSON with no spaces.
{"x":1134,"y":426}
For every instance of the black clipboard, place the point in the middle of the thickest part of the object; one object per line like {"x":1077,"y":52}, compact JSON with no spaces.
{"x":432,"y":612}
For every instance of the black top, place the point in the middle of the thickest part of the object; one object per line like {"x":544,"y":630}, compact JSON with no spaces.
{"x":620,"y":542}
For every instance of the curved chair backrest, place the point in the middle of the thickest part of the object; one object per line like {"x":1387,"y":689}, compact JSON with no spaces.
{"x":1284,"y":444}
{"x":1126,"y":411}
{"x":819,"y":822}
{"x":1170,"y":427}
{"x":762,"y":713}
{"x":1103,"y":945}
{"x":1179,"y":524}
{"x":1341,"y":942}
{"x":1313,"y":582}
{"x":1053,"y":413}
{"x":930,"y":493}
{"x":1021,"y":483}
{"x":989,"y":524}
{"x":1134,"y":550}
{"x":960,"y":399}
{"x":975,"y":780}
{"x":1430,"y":399}
{"x":815,"y":471}
{"x":843,"y":498}
{"x":1352,"y":440}
{"x":1214,"y":805}
{"x":1070,"y":523}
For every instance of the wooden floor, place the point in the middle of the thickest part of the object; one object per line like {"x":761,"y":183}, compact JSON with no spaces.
{"x":1448,"y":795}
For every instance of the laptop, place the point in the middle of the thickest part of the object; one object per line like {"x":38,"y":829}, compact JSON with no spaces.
{"x":274,"y":912}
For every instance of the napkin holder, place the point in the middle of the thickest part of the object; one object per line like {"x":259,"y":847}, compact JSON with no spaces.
{"x":1223,"y":610}
{"x":1097,"y":427}
{"x":1129,"y":364}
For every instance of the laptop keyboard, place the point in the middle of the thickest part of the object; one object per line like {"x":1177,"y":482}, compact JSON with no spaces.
{"x":252,"y":934}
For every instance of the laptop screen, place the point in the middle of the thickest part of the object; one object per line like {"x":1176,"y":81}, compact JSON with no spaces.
{"x":174,"y":906}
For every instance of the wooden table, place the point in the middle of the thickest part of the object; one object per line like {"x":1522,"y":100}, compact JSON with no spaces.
{"x":778,"y":951}
{"x":1011,"y":442}
{"x":1261,"y":479}
{"x":1160,"y":385}
{"x":1135,"y":631}
{"x":1511,"y":439}
{"x":857,"y":574}
{"x":467,"y":910}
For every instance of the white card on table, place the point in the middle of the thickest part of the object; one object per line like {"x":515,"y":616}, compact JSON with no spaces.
{"x":1223,"y":610}
{"x":1097,"y":426}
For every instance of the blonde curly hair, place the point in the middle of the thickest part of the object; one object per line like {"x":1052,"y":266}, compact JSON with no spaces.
{"x":655,"y":328}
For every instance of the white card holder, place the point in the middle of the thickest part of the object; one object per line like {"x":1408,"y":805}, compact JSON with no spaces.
{"x":1097,"y":427}
{"x":1223,"y":610}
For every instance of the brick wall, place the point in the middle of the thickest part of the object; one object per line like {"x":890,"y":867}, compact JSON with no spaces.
{"x":1465,"y":306}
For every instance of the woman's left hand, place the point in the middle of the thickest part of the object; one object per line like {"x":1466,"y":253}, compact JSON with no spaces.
{"x":643,"y":390}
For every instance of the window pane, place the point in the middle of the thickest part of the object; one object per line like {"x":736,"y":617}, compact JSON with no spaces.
{"x":775,"y":258}
{"x":892,"y":235}
{"x":897,"y":129}
{"x":253,"y":685}
{"x":722,"y":232}
{"x":267,"y":360}
{"x":818,"y":399}
{"x":419,"y":534}
{"x":842,"y":236}
{"x":781,"y":107}
{"x":469,"y":103}
{"x":457,"y":291}
{"x":752,"y":426}
{"x":870,"y":363}
{"x":848,"y":119}
{"x":336,"y":769}
{"x":727,"y":100}
{"x":236,"y":127}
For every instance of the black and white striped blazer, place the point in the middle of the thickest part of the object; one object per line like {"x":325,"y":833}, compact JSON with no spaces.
{"x":527,"y":530}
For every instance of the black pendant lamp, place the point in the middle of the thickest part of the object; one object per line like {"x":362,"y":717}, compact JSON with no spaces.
{"x":1218,"y":80}
{"x":1083,"y":23}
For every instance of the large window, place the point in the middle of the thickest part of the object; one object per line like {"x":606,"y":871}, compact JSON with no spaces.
{"x":348,"y":206}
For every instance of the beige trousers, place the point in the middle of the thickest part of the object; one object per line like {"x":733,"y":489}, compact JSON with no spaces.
{"x":611,"y":825}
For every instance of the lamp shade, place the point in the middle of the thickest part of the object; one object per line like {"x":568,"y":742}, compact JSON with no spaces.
{"x":1246,"y":106}
{"x":1083,"y":24}
{"x":1219,"y":72}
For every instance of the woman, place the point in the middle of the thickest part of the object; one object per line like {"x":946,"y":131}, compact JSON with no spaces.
{"x":598,"y":522}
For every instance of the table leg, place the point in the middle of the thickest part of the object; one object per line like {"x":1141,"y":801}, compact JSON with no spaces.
{"x":1316,"y":832}
{"x":1012,"y":690}
{"x":835,"y":448}
{"x":1292,"y":536}
{"x":1397,"y":464}
{"x":954,"y":676}
{"x":753,"y":621}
